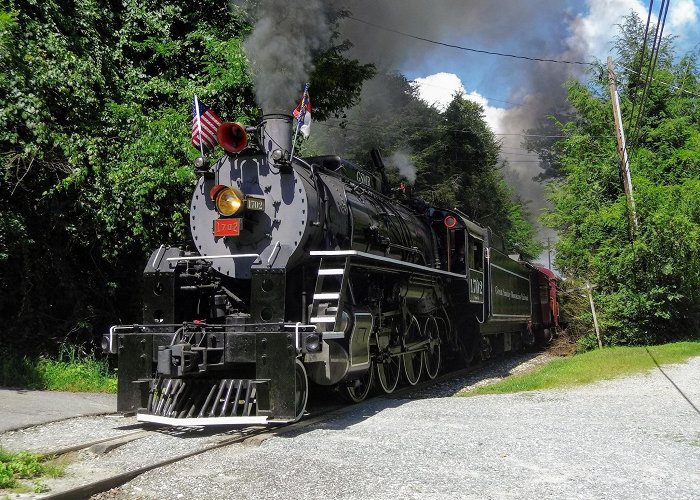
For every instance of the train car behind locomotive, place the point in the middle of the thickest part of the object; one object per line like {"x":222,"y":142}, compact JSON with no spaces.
{"x":309,"y":269}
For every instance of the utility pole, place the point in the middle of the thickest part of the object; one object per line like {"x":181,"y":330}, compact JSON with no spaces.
{"x":549,"y":254}
{"x":595,"y":317}
{"x":621,"y":145}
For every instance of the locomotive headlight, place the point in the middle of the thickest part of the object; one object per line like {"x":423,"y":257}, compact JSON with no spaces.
{"x":229,"y":201}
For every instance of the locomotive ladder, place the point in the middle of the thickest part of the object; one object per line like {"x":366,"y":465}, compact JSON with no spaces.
{"x":329,"y":296}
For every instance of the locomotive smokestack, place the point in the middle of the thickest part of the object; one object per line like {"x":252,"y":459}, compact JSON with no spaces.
{"x":379,"y":165}
{"x":276,"y":135}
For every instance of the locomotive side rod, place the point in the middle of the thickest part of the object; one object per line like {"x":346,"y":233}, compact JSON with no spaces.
{"x":414,"y":347}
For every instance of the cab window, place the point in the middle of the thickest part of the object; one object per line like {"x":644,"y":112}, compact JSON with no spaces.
{"x":458,"y":252}
{"x":476,"y":252}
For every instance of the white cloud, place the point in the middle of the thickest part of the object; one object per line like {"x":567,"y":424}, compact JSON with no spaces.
{"x":493,"y":116}
{"x":683,"y":13}
{"x":592,"y":32}
{"x":439,"y":89}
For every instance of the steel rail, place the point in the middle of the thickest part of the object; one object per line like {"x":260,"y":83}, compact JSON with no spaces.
{"x":132,"y":436}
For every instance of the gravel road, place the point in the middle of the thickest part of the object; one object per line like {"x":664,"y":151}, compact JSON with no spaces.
{"x":636,"y":437}
{"x":20,"y":408}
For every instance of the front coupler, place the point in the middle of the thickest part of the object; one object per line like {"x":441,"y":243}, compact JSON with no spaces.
{"x":208,"y":374}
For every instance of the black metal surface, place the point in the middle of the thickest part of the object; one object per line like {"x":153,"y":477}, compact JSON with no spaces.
{"x":186,"y":398}
{"x":135,"y":369}
{"x":234,"y":295}
{"x":267,"y":295}
{"x":159,"y":297}
{"x":276,"y":355}
{"x":240,"y":347}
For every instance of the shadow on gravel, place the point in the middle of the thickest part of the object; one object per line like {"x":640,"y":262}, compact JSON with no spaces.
{"x":347,"y":416}
{"x":672,"y":382}
{"x":342,"y":416}
{"x":492,"y":370}
{"x":446,"y":385}
{"x":219,"y":431}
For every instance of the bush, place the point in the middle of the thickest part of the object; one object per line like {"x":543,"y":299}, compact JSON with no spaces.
{"x":70,"y":371}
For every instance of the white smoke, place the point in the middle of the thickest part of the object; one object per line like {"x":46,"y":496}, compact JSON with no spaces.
{"x":401,"y":160}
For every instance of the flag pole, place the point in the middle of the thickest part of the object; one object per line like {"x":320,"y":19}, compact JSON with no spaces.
{"x":301,"y":110}
{"x":199,"y":124}
{"x":294,"y":140}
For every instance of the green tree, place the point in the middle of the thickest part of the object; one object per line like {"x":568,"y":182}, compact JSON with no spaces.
{"x":459,"y":167}
{"x":648,"y":286}
{"x":95,"y":156}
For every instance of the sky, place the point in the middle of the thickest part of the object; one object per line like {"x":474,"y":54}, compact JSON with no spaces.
{"x":586,"y":30}
{"x":516,"y":94}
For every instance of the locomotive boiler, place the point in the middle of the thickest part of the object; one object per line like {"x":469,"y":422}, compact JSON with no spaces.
{"x":313,"y":270}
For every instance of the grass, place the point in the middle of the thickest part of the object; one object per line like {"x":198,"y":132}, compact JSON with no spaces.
{"x":70,"y":371}
{"x":592,"y":366}
{"x":20,"y":472}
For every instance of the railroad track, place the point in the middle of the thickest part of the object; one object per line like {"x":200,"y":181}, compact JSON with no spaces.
{"x":251,"y":435}
{"x":108,"y":483}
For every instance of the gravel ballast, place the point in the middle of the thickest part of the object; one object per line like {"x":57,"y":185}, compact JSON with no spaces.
{"x":632,"y":437}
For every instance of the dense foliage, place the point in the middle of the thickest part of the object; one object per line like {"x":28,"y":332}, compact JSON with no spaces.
{"x":68,"y":370}
{"x":647,"y":280}
{"x":459,"y":167}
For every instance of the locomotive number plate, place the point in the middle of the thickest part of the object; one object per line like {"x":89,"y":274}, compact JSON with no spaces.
{"x":227,"y":227}
{"x":255,"y":203}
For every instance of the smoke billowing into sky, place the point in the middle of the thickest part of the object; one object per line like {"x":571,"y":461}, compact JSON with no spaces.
{"x":280,"y":48}
{"x":516,"y":94}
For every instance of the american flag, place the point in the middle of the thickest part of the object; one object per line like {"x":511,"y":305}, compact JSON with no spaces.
{"x":204,"y":125}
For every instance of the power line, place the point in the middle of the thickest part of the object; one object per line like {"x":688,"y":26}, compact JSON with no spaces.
{"x":644,"y":48}
{"x":653,"y":58}
{"x":469,"y":49}
{"x":649,"y":75}
{"x":667,"y":84}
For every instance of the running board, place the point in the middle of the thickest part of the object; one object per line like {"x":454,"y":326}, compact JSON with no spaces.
{"x":355,"y":257}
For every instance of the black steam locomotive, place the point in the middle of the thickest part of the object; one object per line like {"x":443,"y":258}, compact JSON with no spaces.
{"x":310,"y":269}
